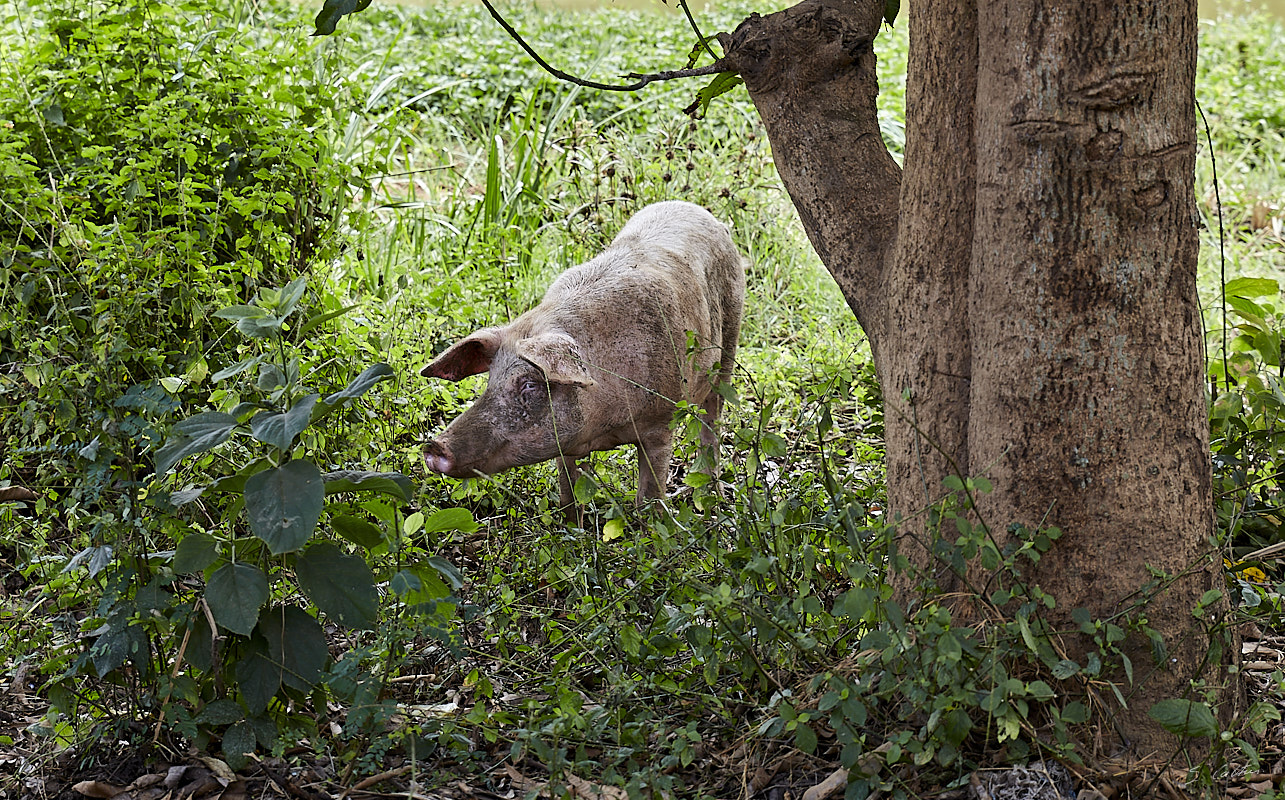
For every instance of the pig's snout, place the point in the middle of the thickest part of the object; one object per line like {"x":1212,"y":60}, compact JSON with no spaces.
{"x":438,"y":458}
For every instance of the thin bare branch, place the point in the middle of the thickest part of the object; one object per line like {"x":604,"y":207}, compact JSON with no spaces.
{"x":640,"y":79}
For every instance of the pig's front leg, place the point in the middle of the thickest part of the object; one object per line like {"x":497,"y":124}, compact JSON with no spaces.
{"x":654,"y":454}
{"x":568,"y":472}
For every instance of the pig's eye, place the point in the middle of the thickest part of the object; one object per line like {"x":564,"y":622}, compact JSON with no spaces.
{"x":531,"y":388}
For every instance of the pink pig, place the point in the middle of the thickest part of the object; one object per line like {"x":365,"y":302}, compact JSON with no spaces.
{"x":604,"y":358}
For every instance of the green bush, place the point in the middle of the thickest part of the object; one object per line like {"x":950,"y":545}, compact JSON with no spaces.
{"x":155,"y":164}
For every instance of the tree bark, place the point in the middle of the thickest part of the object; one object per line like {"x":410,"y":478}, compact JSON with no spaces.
{"x":1027,"y":285}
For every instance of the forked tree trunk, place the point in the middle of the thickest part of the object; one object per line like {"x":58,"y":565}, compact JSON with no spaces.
{"x":1027,"y":284}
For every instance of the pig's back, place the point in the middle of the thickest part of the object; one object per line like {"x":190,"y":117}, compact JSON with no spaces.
{"x":669,"y":251}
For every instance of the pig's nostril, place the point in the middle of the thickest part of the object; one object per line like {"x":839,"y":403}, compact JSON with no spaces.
{"x":437,"y":458}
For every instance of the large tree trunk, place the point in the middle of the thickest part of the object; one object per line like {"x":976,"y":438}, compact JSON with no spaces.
{"x":1027,"y":285}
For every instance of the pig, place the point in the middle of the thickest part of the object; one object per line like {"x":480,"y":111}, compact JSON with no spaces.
{"x":604,"y":358}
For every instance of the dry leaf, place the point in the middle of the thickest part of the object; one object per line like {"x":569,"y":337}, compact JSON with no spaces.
{"x":99,"y":789}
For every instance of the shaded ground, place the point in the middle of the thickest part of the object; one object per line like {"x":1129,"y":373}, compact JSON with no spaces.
{"x":33,"y":767}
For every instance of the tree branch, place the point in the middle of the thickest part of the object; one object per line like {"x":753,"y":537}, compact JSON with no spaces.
{"x":640,"y":79}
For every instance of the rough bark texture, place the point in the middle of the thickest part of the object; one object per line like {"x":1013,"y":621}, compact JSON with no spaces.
{"x":1028,"y":284}
{"x":1087,"y":390}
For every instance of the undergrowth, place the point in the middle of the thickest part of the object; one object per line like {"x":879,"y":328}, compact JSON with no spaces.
{"x":428,"y":180}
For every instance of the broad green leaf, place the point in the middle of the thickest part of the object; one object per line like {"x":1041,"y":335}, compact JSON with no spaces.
{"x":257,"y":676}
{"x":200,"y":644}
{"x":1185,"y":718}
{"x":890,"y":9}
{"x":447,"y":570}
{"x":297,"y":643}
{"x":450,"y":519}
{"x":220,"y":712}
{"x":251,"y":321}
{"x":774,"y":445}
{"x":290,"y":296}
{"x":422,"y":585}
{"x":404,"y":582}
{"x":285,"y":504}
{"x":613,"y":529}
{"x":389,"y":483}
{"x":235,"y":593}
{"x":360,"y":385}
{"x":360,"y":532}
{"x":196,"y":552}
{"x":279,"y":428}
{"x":341,"y":585}
{"x":1252,"y":287}
{"x":630,"y":640}
{"x":196,"y":434}
{"x":955,"y":725}
{"x":1065,"y":669}
{"x":1268,"y":344}
{"x":1248,"y":310}
{"x":238,"y":743}
{"x":1075,"y":712}
{"x":332,"y":10}
{"x":805,"y":738}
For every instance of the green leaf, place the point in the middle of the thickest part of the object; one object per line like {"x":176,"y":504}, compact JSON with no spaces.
{"x":404,"y":582}
{"x":360,"y":532}
{"x":1065,"y":669}
{"x":290,"y":296}
{"x":722,"y":83}
{"x":1252,"y":287}
{"x":418,"y":585}
{"x":890,"y":9}
{"x":200,"y":643}
{"x":251,"y":321}
{"x":450,"y":519}
{"x":279,"y":428}
{"x":341,"y":585}
{"x":285,"y":504}
{"x":220,"y":712}
{"x":322,"y":319}
{"x":805,"y":738}
{"x":774,"y":446}
{"x":630,"y":640}
{"x":955,"y":726}
{"x":1249,"y":311}
{"x":235,"y":593}
{"x":448,"y":571}
{"x":196,"y":552}
{"x":196,"y":434}
{"x":1185,"y":718}
{"x":360,"y":385}
{"x":1268,"y":343}
{"x":297,"y":644}
{"x":613,"y":529}
{"x":331,"y":12}
{"x":238,"y":743}
{"x":394,"y":484}
{"x":257,"y":676}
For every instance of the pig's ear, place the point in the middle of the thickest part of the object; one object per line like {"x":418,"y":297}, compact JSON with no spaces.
{"x":558,"y":357}
{"x":468,"y":356}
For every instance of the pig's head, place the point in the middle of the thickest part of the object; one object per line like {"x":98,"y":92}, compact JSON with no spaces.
{"x":531,"y":404}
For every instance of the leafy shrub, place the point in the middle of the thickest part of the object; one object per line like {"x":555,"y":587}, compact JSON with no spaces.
{"x":155,"y":164}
